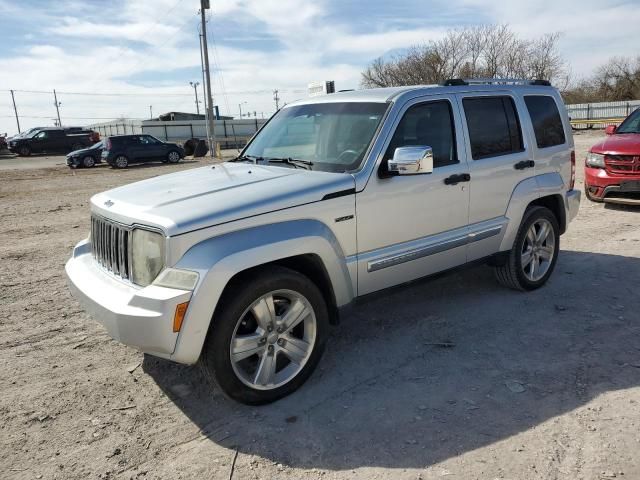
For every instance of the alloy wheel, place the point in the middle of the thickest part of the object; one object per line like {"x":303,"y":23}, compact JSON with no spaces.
{"x":538,"y":250}
{"x":273,"y":339}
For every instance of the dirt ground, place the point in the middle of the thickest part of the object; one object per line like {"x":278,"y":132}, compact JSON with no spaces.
{"x":454,"y":377}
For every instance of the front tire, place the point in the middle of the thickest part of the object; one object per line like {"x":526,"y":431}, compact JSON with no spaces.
{"x":267,"y":336}
{"x":531,"y":260}
{"x":88,"y":162}
{"x":173,"y":157}
{"x":24,"y":151}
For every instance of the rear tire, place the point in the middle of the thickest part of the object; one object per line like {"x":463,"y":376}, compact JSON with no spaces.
{"x":531,"y":260}
{"x":121,"y":162}
{"x":252,"y":318}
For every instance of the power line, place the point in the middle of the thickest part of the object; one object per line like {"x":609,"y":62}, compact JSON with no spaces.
{"x":123,"y":94}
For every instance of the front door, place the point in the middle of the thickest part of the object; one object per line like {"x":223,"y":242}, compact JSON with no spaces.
{"x":414,"y":225}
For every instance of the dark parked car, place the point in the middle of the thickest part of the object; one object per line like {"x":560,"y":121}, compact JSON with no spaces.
{"x":87,"y":157}
{"x":121,"y":150}
{"x":53,"y":140}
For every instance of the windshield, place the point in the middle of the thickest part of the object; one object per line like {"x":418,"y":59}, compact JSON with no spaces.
{"x":97,"y":145}
{"x":631,"y":124}
{"x":333,"y":137}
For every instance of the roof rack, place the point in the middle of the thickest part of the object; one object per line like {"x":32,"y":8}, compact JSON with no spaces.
{"x":456,"y":82}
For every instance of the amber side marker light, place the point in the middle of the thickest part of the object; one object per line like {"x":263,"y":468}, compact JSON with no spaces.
{"x":181,"y":310}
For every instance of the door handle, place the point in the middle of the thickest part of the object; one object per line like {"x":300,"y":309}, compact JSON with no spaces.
{"x":457,"y":178}
{"x":524,"y":164}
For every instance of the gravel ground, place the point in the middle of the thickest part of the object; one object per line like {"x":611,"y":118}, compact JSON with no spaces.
{"x":454,"y":377}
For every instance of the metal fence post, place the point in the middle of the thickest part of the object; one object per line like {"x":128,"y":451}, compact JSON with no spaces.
{"x":166,"y":135}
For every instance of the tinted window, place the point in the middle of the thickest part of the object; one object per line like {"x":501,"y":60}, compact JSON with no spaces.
{"x":428,"y":124}
{"x":493,"y":126}
{"x":546,"y":121}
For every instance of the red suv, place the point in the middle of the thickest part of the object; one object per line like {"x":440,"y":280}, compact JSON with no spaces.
{"x":612,"y":167}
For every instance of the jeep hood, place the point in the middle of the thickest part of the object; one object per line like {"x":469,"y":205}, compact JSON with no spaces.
{"x":203,"y":197}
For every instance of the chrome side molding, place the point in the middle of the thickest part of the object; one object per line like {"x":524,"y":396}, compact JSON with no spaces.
{"x":432,"y":249}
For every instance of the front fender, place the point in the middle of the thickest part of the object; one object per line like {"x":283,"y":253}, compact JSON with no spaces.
{"x":218,"y":259}
{"x":526,"y":192}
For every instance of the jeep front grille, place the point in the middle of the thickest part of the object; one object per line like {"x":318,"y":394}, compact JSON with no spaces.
{"x":110,"y":246}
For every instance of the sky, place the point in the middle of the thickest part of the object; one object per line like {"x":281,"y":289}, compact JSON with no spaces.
{"x":116,"y":58}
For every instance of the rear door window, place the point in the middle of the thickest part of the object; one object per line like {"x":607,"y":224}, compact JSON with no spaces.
{"x":546,"y":120}
{"x":494,"y":128}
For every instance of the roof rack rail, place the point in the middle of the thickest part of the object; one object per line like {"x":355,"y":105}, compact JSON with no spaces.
{"x":456,"y":82}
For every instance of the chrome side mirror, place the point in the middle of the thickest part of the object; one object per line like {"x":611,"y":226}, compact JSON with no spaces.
{"x":411,"y":161}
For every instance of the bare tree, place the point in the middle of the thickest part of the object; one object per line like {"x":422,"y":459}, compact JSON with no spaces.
{"x":479,"y":51}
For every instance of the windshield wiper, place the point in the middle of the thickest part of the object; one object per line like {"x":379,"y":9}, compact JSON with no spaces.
{"x":295,"y":162}
{"x":247,"y":158}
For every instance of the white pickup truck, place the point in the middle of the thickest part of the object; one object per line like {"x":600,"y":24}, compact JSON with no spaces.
{"x":242,"y":266}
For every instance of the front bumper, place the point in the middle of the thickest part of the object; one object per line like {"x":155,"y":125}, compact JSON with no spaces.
{"x":602,"y":186}
{"x":139,"y":317}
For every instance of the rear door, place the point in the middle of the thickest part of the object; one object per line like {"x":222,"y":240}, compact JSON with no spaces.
{"x":500,"y":157}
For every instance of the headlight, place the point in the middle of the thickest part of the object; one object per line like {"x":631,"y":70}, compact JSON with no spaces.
{"x":595,"y":160}
{"x":147,"y":253}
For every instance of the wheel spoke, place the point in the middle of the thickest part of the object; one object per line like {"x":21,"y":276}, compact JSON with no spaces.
{"x":295,"y":349}
{"x":265,"y":312}
{"x":526,"y":258}
{"x":297,"y":312}
{"x":533,"y":267}
{"x":531,"y":235}
{"x":543,"y":233}
{"x":266,"y":370}
{"x":244,"y":346}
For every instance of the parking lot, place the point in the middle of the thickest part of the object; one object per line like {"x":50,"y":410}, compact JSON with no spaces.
{"x":454,"y":377}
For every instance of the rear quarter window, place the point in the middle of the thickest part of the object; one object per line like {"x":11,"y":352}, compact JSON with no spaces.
{"x":545,"y":117}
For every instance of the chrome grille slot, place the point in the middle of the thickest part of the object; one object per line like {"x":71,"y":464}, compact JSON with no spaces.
{"x":110,"y":246}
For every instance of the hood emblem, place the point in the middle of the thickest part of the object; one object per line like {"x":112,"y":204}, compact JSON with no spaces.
{"x":108,"y":203}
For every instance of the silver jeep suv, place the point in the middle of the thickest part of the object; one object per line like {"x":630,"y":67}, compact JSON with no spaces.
{"x":242,"y":266}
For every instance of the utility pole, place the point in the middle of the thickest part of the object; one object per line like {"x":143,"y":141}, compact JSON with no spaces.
{"x":204,"y":93}
{"x":195,"y":89}
{"x":204,"y":5}
{"x":276,"y":98}
{"x":15,"y":110}
{"x":57,"y":104}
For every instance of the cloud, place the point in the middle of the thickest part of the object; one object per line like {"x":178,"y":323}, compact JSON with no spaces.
{"x":148,"y":49}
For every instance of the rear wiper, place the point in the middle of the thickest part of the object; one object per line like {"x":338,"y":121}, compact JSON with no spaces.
{"x":247,"y":158}
{"x":295,"y":162}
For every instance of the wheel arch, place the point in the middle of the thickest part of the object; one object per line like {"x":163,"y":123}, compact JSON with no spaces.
{"x":306,"y":246}
{"x":545,"y":190}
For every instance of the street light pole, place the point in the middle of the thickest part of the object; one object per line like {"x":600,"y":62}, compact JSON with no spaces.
{"x":195,"y":89}
{"x":240,"y":108}
{"x":204,"y":5}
